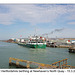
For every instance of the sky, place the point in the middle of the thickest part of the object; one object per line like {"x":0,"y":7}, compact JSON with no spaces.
{"x":23,"y":20}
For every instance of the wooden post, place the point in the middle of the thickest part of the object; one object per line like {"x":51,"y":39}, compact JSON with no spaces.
{"x":38,"y":67}
{"x":63,"y":61}
{"x":66,"y":61}
{"x":17,"y":63}
{"x":28,"y":65}
{"x":59,"y":64}
{"x":10,"y":61}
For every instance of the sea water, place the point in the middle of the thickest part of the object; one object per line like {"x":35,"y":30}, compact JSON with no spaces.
{"x":46,"y":56}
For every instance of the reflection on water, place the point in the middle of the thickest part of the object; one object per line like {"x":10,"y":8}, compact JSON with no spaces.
{"x":1,"y":45}
{"x":37,"y":50}
{"x":47,"y":56}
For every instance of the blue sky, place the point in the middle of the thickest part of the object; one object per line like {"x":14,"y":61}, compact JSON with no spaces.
{"x":23,"y":19}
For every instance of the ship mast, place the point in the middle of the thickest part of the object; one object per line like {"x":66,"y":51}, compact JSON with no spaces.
{"x":35,"y":31}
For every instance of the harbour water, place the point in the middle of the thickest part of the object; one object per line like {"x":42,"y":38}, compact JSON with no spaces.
{"x":46,"y":56}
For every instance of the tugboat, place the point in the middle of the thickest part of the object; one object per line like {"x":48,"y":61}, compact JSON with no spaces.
{"x":35,"y":42}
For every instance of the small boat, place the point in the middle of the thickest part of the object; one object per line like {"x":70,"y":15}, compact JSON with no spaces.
{"x":35,"y":42}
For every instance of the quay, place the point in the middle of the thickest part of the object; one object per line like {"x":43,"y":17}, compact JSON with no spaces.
{"x":55,"y":45}
{"x":64,"y":46}
{"x":72,"y":50}
{"x":62,"y":64}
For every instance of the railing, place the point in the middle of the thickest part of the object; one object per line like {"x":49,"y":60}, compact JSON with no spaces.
{"x":62,"y":64}
{"x":40,"y":65}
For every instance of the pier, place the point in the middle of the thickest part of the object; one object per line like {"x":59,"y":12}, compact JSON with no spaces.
{"x":62,"y":64}
{"x":64,"y":46}
{"x":72,"y":50}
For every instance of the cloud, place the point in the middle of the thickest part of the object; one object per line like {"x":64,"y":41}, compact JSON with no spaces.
{"x":31,"y":13}
{"x":69,"y":33}
{"x":34,"y":13}
{"x":72,"y":23}
{"x":5,"y":19}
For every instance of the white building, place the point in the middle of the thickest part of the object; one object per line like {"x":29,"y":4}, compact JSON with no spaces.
{"x":73,"y":41}
{"x":18,"y":40}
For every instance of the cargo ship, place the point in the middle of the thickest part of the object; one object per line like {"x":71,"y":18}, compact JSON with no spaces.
{"x":35,"y":42}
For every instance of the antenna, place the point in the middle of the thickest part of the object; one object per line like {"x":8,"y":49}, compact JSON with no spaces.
{"x":35,"y":31}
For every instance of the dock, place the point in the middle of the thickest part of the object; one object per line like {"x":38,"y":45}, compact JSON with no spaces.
{"x":72,"y":50}
{"x":64,"y":46}
{"x":62,"y":64}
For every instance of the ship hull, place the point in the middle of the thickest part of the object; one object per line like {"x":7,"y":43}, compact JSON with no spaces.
{"x":33,"y":45}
